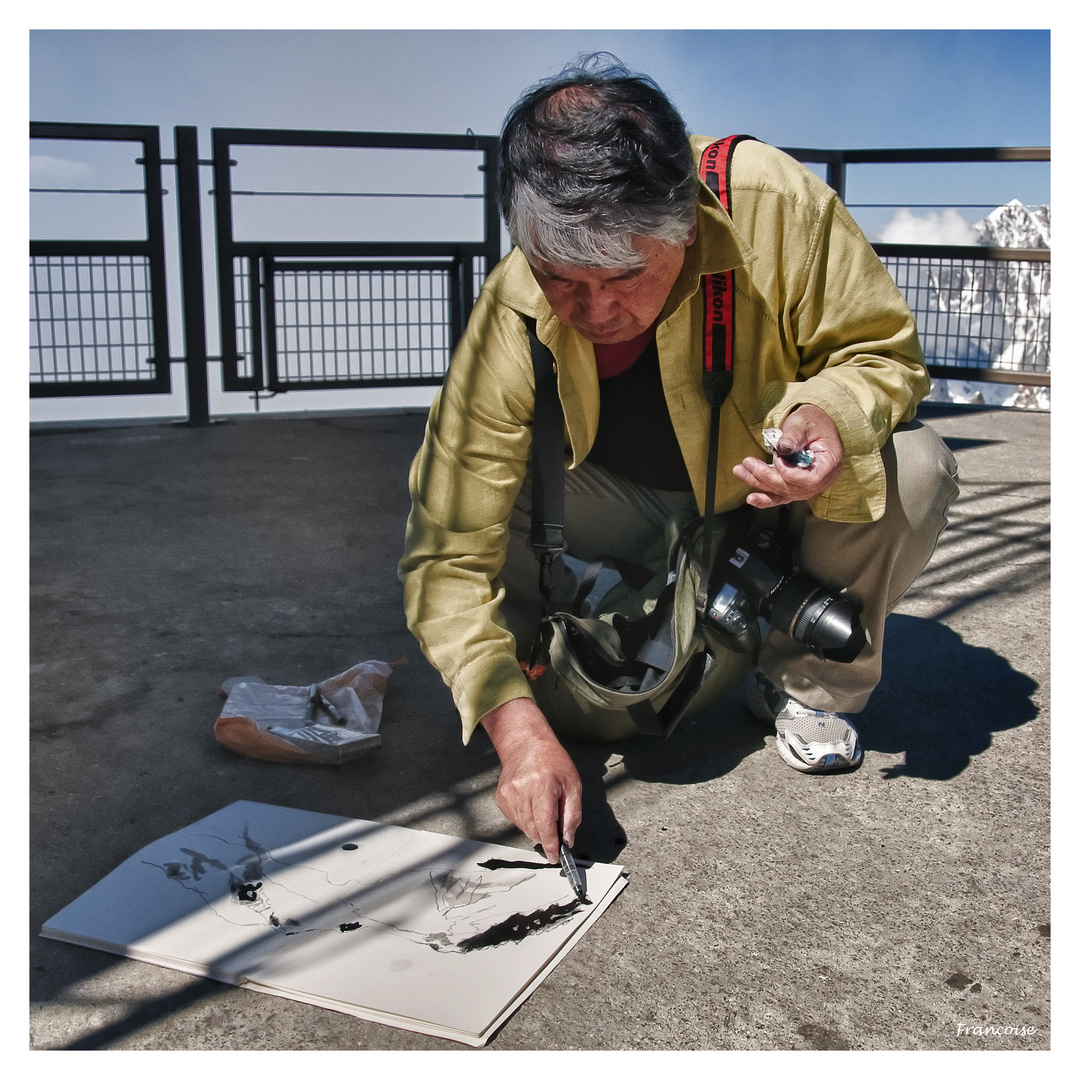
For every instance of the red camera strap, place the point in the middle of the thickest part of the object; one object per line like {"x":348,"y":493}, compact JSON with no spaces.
{"x":719,"y":329}
{"x":718,"y":339}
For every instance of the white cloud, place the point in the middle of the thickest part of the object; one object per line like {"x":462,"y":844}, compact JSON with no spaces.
{"x":54,"y":170}
{"x":946,"y":227}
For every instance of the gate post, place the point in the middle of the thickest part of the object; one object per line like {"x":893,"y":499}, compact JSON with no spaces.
{"x":191,"y":274}
{"x":836,"y":174}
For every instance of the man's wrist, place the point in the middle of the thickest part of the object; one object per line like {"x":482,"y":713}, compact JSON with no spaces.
{"x":515,"y":723}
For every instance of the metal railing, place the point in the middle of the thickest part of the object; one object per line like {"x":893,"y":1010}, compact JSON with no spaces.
{"x":293,"y":315}
{"x":983,"y":313}
{"x":338,"y":314}
{"x":344,"y":314}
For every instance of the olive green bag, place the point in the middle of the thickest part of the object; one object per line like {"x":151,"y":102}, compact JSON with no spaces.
{"x":626,"y":659}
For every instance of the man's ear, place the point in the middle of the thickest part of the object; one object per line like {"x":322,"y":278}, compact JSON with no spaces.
{"x":693,"y":235}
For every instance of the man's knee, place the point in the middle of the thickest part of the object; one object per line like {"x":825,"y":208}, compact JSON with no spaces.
{"x":921,"y":475}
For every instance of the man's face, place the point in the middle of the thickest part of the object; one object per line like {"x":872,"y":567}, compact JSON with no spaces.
{"x":608,"y":306}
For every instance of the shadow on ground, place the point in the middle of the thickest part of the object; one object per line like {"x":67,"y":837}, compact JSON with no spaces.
{"x":940,"y":700}
{"x":939,"y":704}
{"x":699,"y":750}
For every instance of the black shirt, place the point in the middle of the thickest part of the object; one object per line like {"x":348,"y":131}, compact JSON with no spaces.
{"x":635,"y":437}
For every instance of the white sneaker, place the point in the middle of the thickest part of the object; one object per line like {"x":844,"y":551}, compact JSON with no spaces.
{"x":808,"y":739}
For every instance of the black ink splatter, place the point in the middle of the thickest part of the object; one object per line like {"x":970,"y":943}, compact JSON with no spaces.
{"x":199,"y":862}
{"x":345,"y":927}
{"x":246,"y":891}
{"x":279,"y":925}
{"x":518,"y":927}
{"x":348,"y":847}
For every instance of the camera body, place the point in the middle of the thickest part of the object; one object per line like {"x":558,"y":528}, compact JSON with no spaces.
{"x":754,"y":576}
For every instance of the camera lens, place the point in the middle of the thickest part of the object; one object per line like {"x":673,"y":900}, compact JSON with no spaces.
{"x":811,"y":614}
{"x":794,"y":603}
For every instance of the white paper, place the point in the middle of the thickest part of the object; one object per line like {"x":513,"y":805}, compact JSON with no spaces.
{"x":413,"y":929}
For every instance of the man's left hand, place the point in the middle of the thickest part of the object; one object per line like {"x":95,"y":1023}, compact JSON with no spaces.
{"x":806,"y":428}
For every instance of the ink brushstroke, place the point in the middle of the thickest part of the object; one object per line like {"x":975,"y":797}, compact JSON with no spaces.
{"x":519,"y":927}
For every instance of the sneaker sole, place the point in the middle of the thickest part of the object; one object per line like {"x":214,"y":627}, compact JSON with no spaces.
{"x":826,"y":760}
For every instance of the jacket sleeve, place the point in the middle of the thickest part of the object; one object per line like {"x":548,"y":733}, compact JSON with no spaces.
{"x":463,"y":484}
{"x":858,"y":351}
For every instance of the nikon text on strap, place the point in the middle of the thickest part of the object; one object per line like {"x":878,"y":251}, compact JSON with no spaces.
{"x":719,"y":331}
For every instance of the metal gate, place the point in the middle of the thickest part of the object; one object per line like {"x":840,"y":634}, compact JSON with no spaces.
{"x":298,"y":314}
{"x":322,"y":315}
{"x":98,"y":319}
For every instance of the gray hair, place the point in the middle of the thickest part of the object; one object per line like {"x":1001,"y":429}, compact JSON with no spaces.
{"x":591,"y":160}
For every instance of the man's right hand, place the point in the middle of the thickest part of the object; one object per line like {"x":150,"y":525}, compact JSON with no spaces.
{"x":539,"y":788}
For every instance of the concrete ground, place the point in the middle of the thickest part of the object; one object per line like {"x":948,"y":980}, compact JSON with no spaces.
{"x":887,"y":909}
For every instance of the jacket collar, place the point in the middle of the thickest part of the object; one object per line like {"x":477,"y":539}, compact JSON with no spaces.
{"x":718,"y":248}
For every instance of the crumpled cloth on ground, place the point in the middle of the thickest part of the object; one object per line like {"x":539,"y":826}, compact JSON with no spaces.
{"x":327,"y":723}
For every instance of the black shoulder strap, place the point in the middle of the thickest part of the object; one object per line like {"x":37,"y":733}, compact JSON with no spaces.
{"x":548,"y":451}
{"x":548,"y":462}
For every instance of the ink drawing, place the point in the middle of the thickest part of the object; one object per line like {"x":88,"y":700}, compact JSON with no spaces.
{"x":413,"y":929}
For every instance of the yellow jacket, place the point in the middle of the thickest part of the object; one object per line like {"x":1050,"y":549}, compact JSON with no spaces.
{"x":818,"y":321}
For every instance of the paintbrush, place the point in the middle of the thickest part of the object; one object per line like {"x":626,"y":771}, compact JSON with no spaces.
{"x":573,"y":874}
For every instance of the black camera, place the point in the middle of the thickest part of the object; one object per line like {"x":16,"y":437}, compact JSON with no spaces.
{"x":754,"y":575}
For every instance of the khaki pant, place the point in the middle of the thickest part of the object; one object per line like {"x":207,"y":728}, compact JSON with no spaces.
{"x":873,"y":563}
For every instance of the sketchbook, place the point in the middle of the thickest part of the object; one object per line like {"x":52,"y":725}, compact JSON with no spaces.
{"x":413,"y":929}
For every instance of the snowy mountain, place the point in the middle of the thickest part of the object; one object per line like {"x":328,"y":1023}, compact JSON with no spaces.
{"x":988,"y":313}
{"x":1015,"y":225}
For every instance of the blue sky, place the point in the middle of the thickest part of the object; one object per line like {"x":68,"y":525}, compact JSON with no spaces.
{"x":797,"y":87}
{"x":812,"y":88}
{"x":817,"y":88}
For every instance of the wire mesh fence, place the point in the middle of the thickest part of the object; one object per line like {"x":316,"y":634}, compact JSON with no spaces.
{"x":988,"y":313}
{"x":90,"y":319}
{"x":367,"y":324}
